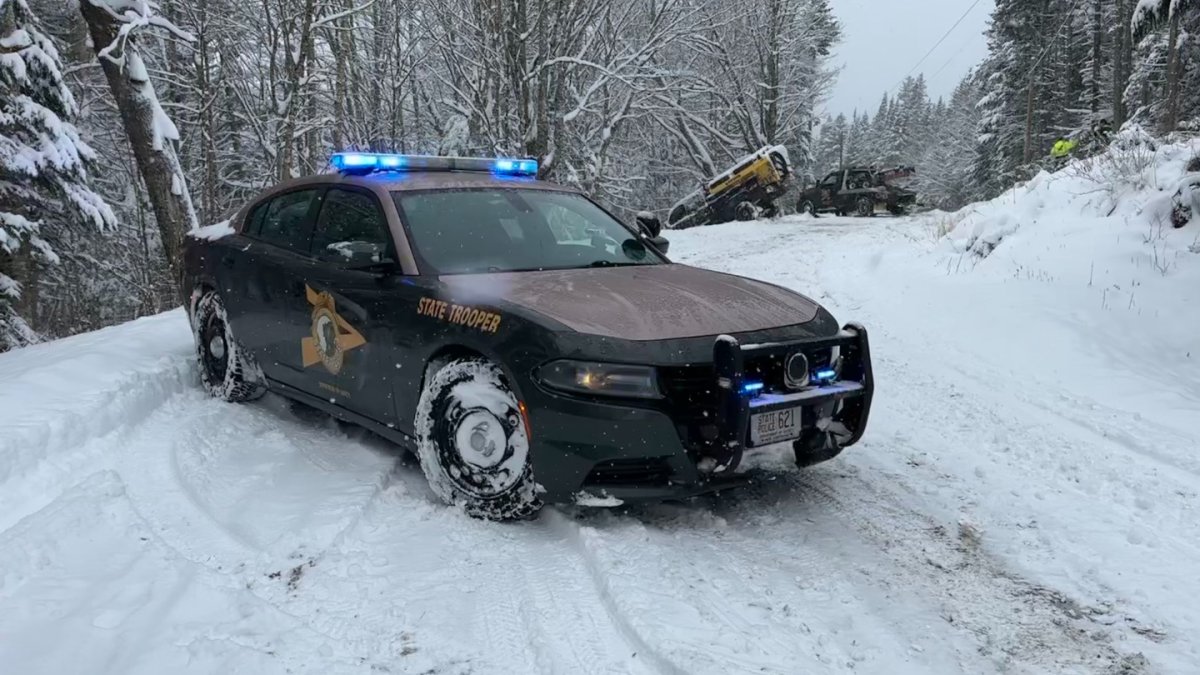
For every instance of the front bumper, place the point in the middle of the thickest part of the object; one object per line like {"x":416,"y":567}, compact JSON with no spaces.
{"x":833,"y":414}
{"x":646,"y":452}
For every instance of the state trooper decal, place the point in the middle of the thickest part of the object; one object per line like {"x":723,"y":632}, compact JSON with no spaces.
{"x":332,"y":336}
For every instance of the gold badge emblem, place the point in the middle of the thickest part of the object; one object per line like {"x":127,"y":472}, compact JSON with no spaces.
{"x":331,"y":336}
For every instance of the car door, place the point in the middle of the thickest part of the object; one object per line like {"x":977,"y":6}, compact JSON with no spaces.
{"x":828,"y":189}
{"x":353,"y":295}
{"x":260,"y":290}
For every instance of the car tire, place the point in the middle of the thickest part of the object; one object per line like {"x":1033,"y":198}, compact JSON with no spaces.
{"x":806,"y":206}
{"x":864,"y":207}
{"x":227,"y":370}
{"x":473,"y":442}
{"x":745,"y":212}
{"x":781,"y":165}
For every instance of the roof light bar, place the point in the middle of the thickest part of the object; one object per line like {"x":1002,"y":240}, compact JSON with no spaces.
{"x":358,"y":163}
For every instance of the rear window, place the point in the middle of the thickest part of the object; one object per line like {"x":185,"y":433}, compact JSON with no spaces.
{"x":505,"y":230}
{"x":285,"y":222}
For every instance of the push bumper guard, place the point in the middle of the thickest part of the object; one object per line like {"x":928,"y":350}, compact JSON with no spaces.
{"x":825,"y":429}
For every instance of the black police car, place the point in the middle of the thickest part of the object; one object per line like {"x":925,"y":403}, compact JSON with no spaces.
{"x":526,"y":344}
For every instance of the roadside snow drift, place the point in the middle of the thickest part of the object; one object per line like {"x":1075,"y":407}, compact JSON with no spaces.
{"x":1025,"y":499}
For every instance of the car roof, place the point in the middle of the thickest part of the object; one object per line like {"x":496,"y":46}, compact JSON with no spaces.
{"x":406,"y":181}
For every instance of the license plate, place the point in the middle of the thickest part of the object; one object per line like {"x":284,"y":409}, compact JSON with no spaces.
{"x":774,"y":427}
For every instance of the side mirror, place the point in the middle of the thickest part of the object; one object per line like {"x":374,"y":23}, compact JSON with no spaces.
{"x":650,"y":224}
{"x":661,"y":243}
{"x":358,"y":255}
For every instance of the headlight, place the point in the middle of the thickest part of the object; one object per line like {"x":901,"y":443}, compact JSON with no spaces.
{"x":601,"y":379}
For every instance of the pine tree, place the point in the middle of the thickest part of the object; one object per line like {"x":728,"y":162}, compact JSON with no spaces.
{"x":43,"y":166}
{"x":831,"y":146}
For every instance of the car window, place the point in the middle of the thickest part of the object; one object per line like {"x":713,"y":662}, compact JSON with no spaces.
{"x":501,"y":230}
{"x":255,"y":218}
{"x":831,"y":180}
{"x":350,"y":222}
{"x":859,"y":179}
{"x":285,"y":222}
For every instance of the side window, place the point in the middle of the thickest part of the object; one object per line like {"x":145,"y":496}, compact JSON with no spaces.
{"x":351,"y":224}
{"x":254,"y":219}
{"x":859,"y":180}
{"x":831,"y":180}
{"x":285,"y":222}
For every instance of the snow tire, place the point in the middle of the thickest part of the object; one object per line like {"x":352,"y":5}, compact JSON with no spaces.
{"x":227,"y":370}
{"x":746,"y":212}
{"x":473,"y":442}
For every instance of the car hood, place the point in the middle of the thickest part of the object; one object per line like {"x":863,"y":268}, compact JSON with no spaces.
{"x":650,"y":302}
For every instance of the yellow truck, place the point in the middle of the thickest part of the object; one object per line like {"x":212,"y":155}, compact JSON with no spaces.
{"x":745,"y":192}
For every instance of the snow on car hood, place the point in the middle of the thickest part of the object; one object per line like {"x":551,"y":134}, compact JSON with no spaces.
{"x":651,"y":302}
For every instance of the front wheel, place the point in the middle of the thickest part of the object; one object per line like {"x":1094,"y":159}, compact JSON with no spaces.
{"x":227,"y":370}
{"x":807,"y":207}
{"x":473,"y":441}
{"x":745,"y":212}
{"x":864,"y":207}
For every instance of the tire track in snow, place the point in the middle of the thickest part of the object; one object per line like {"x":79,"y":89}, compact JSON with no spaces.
{"x":61,"y":447}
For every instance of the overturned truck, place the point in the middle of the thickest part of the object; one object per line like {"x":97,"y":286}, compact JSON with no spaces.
{"x":746,"y":191}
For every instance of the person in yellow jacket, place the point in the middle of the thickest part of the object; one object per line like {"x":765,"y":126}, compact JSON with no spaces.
{"x":1063,"y":148}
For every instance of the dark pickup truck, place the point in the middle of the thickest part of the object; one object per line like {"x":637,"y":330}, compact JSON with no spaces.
{"x":528,"y":346}
{"x":859,"y":191}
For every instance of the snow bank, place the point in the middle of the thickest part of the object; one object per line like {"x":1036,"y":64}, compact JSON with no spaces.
{"x":1099,"y":236}
{"x":117,"y":376}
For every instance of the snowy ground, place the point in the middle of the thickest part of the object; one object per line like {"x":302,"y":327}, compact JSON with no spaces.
{"x":1025,"y":500}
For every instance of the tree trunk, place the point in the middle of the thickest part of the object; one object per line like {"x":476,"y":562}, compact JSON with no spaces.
{"x":1097,"y":53}
{"x":1174,"y":65}
{"x":1122,"y":58}
{"x":159,"y":167}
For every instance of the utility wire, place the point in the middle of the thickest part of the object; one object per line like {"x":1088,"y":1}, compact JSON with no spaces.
{"x":939,"y":42}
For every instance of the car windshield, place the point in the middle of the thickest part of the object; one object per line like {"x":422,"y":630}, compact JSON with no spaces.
{"x":509,"y":230}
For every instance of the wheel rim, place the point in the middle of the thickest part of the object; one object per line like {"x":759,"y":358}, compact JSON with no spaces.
{"x":864,"y":207}
{"x":807,"y":207}
{"x":483,"y":453}
{"x":214,"y":350}
{"x":481,"y":439}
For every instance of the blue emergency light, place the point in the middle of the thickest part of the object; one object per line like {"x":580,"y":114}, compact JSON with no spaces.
{"x":827,"y":375}
{"x":752,"y":388}
{"x":359,"y":163}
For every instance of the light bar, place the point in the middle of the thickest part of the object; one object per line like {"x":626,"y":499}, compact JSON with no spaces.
{"x":358,"y":163}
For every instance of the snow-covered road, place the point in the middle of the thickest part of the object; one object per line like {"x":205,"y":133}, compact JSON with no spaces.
{"x":1025,"y":501}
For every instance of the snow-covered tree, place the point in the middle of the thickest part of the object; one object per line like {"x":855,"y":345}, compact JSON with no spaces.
{"x":43,"y":166}
{"x":114,"y":26}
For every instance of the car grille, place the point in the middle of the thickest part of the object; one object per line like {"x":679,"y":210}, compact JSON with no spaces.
{"x":691,"y":392}
{"x":639,"y":471}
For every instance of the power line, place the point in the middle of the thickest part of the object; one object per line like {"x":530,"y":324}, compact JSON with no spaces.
{"x":939,"y":42}
{"x":956,"y":54}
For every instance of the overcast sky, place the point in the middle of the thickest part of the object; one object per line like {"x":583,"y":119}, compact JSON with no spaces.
{"x":883,"y":39}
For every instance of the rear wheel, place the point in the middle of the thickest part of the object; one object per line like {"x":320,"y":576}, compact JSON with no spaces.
{"x":473,"y":441}
{"x":227,"y":370}
{"x":806,"y":206}
{"x":864,"y":207}
{"x":746,"y":211}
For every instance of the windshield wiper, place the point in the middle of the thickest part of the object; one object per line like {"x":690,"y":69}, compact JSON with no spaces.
{"x":609,"y":263}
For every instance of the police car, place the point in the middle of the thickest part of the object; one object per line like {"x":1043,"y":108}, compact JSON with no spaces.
{"x":525,"y":343}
